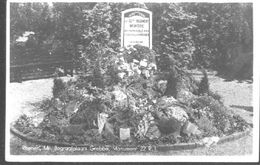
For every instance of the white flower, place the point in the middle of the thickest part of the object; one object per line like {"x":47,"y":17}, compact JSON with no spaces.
{"x":127,"y":67}
{"x":138,"y":71}
{"x":162,"y":82}
{"x":119,"y":95}
{"x":121,"y":49}
{"x":146,"y":73}
{"x":27,"y":33}
{"x":152,"y":66}
{"x":135,"y":61}
{"x":131,"y":73}
{"x":121,"y":75}
{"x":21,"y":39}
{"x":121,"y":59}
{"x":143,"y":63}
{"x":177,"y":113}
{"x":133,"y":66}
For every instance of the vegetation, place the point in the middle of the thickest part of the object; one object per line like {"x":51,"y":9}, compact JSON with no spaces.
{"x":193,"y":34}
{"x":146,"y":91}
{"x":131,"y":97}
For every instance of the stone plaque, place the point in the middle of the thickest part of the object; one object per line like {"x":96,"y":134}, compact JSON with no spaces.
{"x":136,"y":27}
{"x":124,"y":133}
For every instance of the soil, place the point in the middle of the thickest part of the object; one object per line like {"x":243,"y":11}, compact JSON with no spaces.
{"x":236,"y":94}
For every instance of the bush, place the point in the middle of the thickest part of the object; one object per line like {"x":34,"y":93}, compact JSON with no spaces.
{"x":215,"y":95}
{"x":204,"y":84}
{"x":58,"y":87}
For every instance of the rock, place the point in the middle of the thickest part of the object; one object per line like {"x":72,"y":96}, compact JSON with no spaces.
{"x":124,"y":133}
{"x":184,"y":96}
{"x":191,"y":129}
{"x":178,"y":113}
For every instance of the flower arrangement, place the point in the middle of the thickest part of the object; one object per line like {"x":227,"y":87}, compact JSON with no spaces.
{"x":136,"y":102}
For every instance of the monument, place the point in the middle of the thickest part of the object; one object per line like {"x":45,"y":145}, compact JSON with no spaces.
{"x":136,"y":27}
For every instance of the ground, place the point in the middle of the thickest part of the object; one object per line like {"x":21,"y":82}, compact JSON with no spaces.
{"x":237,"y":95}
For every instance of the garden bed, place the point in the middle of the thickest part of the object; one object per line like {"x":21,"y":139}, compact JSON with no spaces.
{"x":132,"y":103}
{"x":129,"y":148}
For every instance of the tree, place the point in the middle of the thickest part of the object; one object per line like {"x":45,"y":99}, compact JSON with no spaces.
{"x":219,"y":28}
{"x":172,"y":37}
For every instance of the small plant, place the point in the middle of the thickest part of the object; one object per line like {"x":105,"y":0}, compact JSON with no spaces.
{"x":204,"y":84}
{"x":58,"y":87}
{"x":215,"y":95}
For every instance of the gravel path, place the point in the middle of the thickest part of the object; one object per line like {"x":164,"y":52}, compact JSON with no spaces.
{"x":236,"y":95}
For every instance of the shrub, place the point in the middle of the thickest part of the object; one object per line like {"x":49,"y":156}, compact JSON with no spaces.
{"x":58,"y":87}
{"x":215,"y":95}
{"x":207,"y":126}
{"x":204,"y":84}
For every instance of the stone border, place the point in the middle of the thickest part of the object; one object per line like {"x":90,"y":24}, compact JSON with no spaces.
{"x":180,"y":146}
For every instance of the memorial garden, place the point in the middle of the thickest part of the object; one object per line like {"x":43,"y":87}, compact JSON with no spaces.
{"x":129,"y":71}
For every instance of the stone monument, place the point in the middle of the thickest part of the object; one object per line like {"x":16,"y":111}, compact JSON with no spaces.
{"x":136,"y":27}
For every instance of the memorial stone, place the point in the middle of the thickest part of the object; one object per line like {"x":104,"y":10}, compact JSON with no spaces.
{"x":136,"y":28}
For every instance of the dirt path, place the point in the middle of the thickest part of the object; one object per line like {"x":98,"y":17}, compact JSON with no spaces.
{"x":236,"y":95}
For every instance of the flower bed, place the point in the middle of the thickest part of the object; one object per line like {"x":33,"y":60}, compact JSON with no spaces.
{"x":132,"y":102}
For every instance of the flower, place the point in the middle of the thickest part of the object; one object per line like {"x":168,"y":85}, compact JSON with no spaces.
{"x":135,"y":61}
{"x":152,"y":66}
{"x":138,"y":71}
{"x":125,"y":66}
{"x":121,"y":75}
{"x":119,"y":95}
{"x":131,"y":73}
{"x":146,"y":73}
{"x":178,"y":113}
{"x":121,"y":49}
{"x":143,"y":63}
{"x":133,"y":66}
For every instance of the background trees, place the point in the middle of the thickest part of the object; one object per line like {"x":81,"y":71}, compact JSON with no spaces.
{"x":192,"y":34}
{"x":220,"y":30}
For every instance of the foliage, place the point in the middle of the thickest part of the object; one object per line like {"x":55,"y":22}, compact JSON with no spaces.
{"x":222,"y":119}
{"x":194,"y":34}
{"x":58,"y":87}
{"x":204,"y":84}
{"x":220,"y":28}
{"x":172,"y":36}
{"x":215,"y":95}
{"x":125,"y":84}
{"x":129,"y":104}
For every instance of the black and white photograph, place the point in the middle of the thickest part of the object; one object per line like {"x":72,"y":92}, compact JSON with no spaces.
{"x":122,"y":81}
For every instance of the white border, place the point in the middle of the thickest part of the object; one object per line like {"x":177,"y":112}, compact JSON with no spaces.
{"x":150,"y":24}
{"x":147,"y":158}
